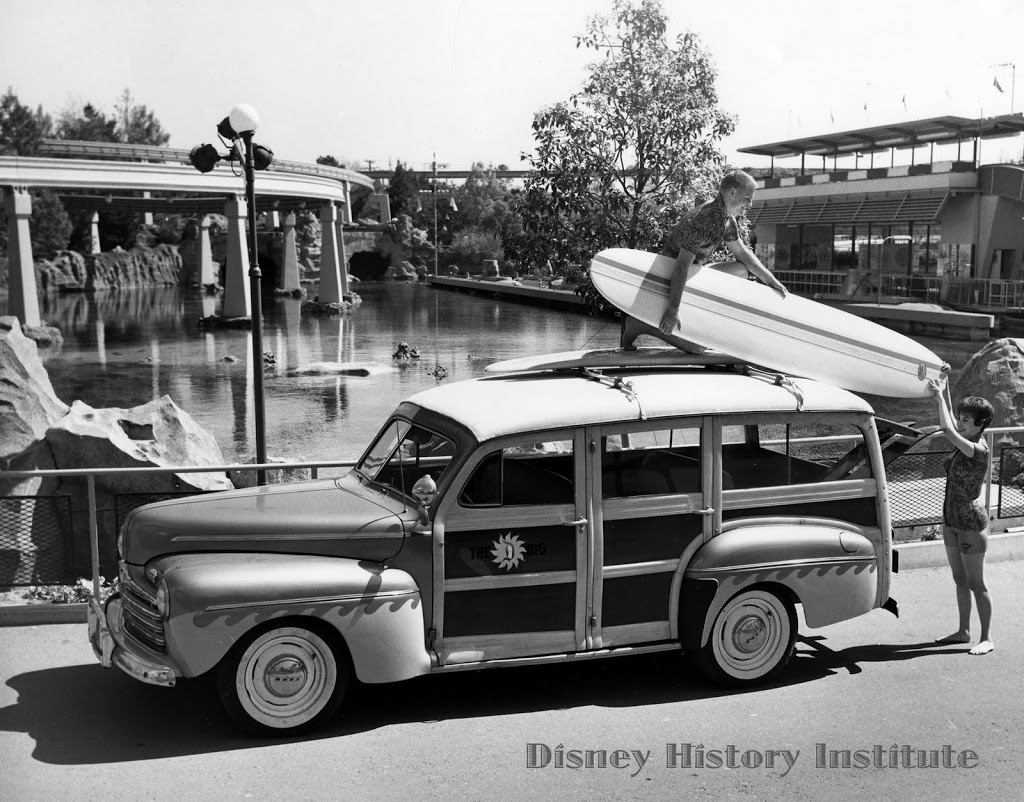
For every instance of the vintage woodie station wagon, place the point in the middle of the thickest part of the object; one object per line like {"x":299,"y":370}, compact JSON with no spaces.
{"x":524,"y":518}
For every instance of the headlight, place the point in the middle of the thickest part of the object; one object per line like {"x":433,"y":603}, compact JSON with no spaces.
{"x":162,"y":599}
{"x":120,"y":543}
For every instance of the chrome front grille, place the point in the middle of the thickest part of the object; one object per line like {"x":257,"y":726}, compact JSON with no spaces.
{"x":141,"y":619}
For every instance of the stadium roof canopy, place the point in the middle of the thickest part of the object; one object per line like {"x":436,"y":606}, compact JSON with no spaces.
{"x":932,"y":130}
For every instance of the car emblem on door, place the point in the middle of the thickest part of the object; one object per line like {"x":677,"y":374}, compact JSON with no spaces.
{"x":508,"y":551}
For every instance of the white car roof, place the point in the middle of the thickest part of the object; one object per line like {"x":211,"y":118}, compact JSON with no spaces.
{"x":501,"y":405}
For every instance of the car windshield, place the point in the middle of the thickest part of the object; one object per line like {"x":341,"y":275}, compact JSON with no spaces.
{"x":404,"y":452}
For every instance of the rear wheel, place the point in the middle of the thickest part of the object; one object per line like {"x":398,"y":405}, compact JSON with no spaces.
{"x":282,"y":680}
{"x":751,"y":639}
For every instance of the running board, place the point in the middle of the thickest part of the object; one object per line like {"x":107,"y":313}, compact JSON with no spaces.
{"x":506,"y":662}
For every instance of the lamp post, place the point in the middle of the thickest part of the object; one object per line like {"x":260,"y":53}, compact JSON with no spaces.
{"x":433,"y":188}
{"x":451,"y":206}
{"x":241,"y":124}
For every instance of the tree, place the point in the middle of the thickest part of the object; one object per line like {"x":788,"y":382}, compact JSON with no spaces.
{"x":86,"y":124}
{"x":137,"y":125}
{"x":328,"y":160}
{"x":485,"y":216}
{"x":617,"y":163}
{"x":133,"y":124}
{"x":403,"y":191}
{"x":50,"y":226}
{"x":483,"y":200}
{"x":21,"y":129}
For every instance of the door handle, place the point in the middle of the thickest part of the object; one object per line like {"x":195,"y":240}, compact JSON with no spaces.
{"x":706,"y":511}
{"x":578,"y":522}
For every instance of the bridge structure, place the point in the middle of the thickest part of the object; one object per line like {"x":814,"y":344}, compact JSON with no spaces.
{"x":383,"y":176}
{"x":101,"y":176}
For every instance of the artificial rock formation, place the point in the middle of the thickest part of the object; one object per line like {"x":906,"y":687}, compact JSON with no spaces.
{"x":996,"y":373}
{"x":155,"y":434}
{"x":39,"y":432}
{"x":112,"y":270}
{"x":28,"y":404}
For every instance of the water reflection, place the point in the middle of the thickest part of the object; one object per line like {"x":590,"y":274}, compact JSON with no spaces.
{"x":126,"y":348}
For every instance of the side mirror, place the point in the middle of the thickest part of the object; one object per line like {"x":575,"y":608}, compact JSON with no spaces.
{"x":424,"y":490}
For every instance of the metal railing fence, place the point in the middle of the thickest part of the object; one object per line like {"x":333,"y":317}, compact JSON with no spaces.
{"x":916,"y":482}
{"x":22,"y":530}
{"x":813,"y":282}
{"x":979,"y":293}
{"x":988,"y":293}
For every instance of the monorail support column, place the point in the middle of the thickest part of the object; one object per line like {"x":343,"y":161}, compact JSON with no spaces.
{"x":205,"y":254}
{"x":330,"y":272}
{"x":23,"y":299}
{"x":289,"y":255}
{"x":345,"y":217}
{"x":236,"y":274}
{"x":94,"y":233}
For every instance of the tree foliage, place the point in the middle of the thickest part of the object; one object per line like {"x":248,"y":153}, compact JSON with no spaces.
{"x":620,"y":160}
{"x":403,"y":191}
{"x":86,"y":124}
{"x":137,"y":125}
{"x":132,"y":123}
{"x":471,"y":246}
{"x":50,"y":225}
{"x":328,"y":161}
{"x":484,"y":201}
{"x":21,"y":129}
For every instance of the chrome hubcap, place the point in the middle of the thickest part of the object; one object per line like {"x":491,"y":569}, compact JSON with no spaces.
{"x":285,"y":676}
{"x":749,"y":635}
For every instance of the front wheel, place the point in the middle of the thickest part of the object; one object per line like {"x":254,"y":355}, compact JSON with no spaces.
{"x":751,"y":640}
{"x":282,"y":681}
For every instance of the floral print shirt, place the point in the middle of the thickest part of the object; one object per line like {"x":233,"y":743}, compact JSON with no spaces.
{"x":702,"y":231}
{"x":965,"y":476}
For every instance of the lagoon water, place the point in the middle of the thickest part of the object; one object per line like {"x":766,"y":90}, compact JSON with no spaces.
{"x":123,"y":349}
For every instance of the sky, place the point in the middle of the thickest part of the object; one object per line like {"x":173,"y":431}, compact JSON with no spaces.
{"x":388,"y":80}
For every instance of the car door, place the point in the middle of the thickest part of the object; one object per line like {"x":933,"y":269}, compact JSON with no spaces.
{"x":511,"y":550}
{"x":652,"y":483}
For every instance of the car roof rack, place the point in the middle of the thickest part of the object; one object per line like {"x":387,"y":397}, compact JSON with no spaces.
{"x":611,"y":359}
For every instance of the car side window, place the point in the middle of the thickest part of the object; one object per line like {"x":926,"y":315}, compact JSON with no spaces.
{"x":805,"y":452}
{"x":650,"y":463}
{"x":532,"y":473}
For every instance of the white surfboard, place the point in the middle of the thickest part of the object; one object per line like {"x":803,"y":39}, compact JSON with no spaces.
{"x":598,"y":358}
{"x":753,"y":322}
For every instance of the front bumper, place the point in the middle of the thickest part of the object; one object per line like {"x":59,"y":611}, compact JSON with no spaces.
{"x":111,"y":647}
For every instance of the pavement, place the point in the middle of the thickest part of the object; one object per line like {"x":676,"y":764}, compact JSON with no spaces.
{"x":874,"y":685}
{"x":927,"y":554}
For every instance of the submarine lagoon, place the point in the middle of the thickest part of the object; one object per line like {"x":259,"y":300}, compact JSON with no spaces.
{"x":125,"y":348}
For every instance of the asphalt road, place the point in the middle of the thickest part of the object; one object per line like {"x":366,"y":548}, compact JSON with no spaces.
{"x":70,"y":729}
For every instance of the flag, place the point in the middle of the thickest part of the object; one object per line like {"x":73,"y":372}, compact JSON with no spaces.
{"x":995,"y":83}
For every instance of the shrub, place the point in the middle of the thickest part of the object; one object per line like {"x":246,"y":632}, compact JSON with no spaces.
{"x":472,"y":246}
